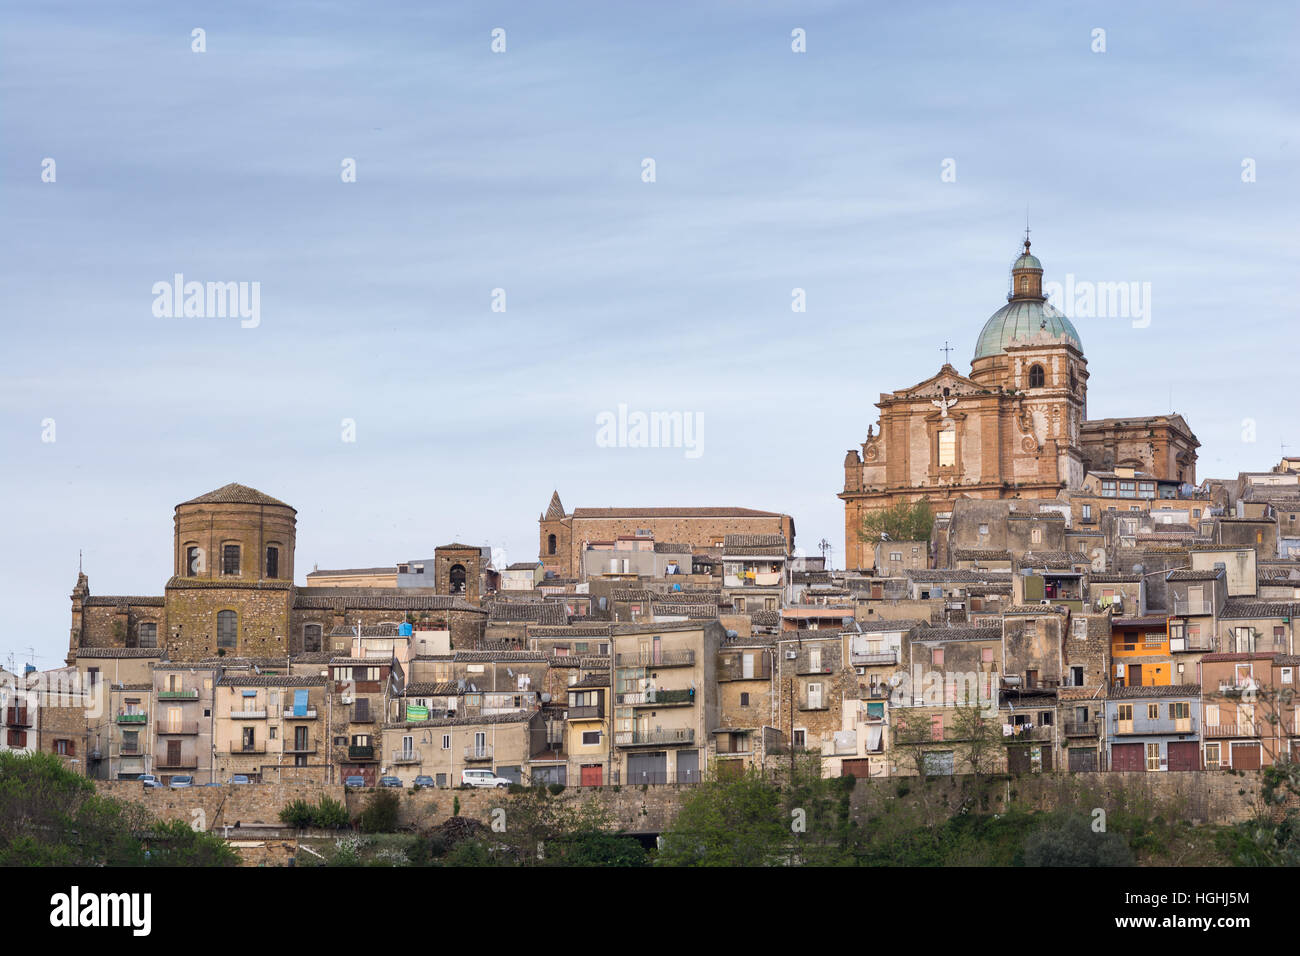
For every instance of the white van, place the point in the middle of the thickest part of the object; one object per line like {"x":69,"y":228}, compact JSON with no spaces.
{"x":482,"y":778}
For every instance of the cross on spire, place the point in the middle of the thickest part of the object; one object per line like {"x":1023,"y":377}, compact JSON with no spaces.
{"x":945,"y":350}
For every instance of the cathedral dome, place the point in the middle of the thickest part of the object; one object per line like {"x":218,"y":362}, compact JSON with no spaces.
{"x":1027,"y":312}
{"x":1023,"y":319}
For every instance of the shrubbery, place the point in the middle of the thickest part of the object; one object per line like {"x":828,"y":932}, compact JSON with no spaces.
{"x":328,"y":814}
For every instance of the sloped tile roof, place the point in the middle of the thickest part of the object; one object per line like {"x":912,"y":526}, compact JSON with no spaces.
{"x":235,"y":494}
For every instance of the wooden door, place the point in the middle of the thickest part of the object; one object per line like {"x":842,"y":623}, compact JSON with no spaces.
{"x":1128,"y":757}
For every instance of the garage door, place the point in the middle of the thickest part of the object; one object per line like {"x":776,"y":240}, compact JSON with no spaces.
{"x":1245,"y":756}
{"x":647,"y":768}
{"x":1127,"y":757}
{"x":1185,"y":755}
{"x":591,"y":775}
{"x":855,"y":768}
{"x":1082,"y":759}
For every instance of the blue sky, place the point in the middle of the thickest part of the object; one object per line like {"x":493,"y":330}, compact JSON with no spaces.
{"x":522,"y":171}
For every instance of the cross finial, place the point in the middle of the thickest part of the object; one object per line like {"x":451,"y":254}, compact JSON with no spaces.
{"x":945,"y":350}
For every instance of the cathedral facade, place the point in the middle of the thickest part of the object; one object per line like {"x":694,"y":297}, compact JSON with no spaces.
{"x":1015,"y":427}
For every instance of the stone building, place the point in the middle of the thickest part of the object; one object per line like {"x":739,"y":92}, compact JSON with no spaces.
{"x":232,"y":593}
{"x":563,"y":537}
{"x":1014,"y":428}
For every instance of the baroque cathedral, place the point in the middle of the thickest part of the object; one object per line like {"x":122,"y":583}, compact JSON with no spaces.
{"x":1016,"y":427}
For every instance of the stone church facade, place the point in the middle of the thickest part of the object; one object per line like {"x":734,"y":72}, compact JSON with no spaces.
{"x":1015,"y":427}
{"x":231,"y":593}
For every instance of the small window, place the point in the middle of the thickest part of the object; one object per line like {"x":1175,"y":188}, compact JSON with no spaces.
{"x":446,"y":741}
{"x":272,"y":562}
{"x":1153,"y":711}
{"x":148,"y":634}
{"x":591,"y":738}
{"x":311,"y":636}
{"x":936,"y":657}
{"x":193,"y":563}
{"x":1037,"y":377}
{"x":744,"y":697}
{"x":230,"y":559}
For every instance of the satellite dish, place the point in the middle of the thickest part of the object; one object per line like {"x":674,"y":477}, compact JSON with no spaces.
{"x":732,"y":634}
{"x":1138,"y":569}
{"x":546,"y":698}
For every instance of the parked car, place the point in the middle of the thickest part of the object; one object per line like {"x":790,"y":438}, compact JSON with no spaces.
{"x":149,"y":780}
{"x":354,"y":781}
{"x":239,"y":778}
{"x":181,"y":781}
{"x":390,"y":782}
{"x":423,"y":781}
{"x":482,"y":778}
{"x":212,"y":783}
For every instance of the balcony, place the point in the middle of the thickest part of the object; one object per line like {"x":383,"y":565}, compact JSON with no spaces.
{"x":662,"y":659}
{"x":1158,"y":728}
{"x":478,"y":754}
{"x":406,"y":757}
{"x":178,"y":695}
{"x":127,"y":750}
{"x":361,"y":717}
{"x":1231,"y":730}
{"x":247,"y":714}
{"x":659,"y":698}
{"x":300,"y":746}
{"x":586,"y":713}
{"x":308,"y":714}
{"x":1031,"y":733}
{"x":1082,"y":728}
{"x":655,"y":738}
{"x":243,"y":748}
{"x":871,"y":660}
{"x":177,"y":763}
{"x":361,"y":752}
{"x":187,"y":728}
{"x":132,"y":718}
{"x":17,"y":717}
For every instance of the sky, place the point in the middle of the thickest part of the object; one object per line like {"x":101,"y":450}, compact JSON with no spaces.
{"x":886,"y":171}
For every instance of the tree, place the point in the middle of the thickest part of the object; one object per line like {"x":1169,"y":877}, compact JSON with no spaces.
{"x":981,"y":743}
{"x":732,"y":822}
{"x":1072,"y":842}
{"x":901,"y":521}
{"x":175,"y":843}
{"x":51,"y":816}
{"x":380,"y":814}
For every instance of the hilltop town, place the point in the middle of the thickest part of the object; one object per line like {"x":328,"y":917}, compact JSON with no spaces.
{"x":1026,"y":590}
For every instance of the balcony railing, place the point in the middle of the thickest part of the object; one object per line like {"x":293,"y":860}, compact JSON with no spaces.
{"x":178,"y":763}
{"x":361,"y":718}
{"x":361,"y":752}
{"x":236,"y":714}
{"x":473,"y":754}
{"x":684,"y":735}
{"x":292,"y":746}
{"x":1031,"y":733}
{"x":17,"y":717}
{"x":242,"y":748}
{"x":178,"y":695}
{"x":658,"y":698}
{"x":1183,"y":725}
{"x":405,"y":757}
{"x":880,"y":657}
{"x":583,"y":713}
{"x":1231,"y":730}
{"x":184,"y":727}
{"x":1082,"y":728}
{"x":125,"y":718}
{"x":308,"y":714}
{"x":662,"y":659}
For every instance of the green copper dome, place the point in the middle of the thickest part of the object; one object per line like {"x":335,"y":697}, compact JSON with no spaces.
{"x":1022,"y":319}
{"x":1027,"y":262}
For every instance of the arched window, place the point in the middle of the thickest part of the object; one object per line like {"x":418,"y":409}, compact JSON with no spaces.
{"x":550,"y":544}
{"x":457,"y":575}
{"x":311,"y":637}
{"x":1037,"y":377}
{"x":193,"y":560}
{"x":1024,"y":284}
{"x":230,"y":559}
{"x":226,"y":629}
{"x":272,"y":562}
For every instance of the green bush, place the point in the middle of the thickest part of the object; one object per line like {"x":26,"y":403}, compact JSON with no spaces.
{"x":328,"y":814}
{"x":556,"y":788}
{"x":298,"y":814}
{"x":380,"y":814}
